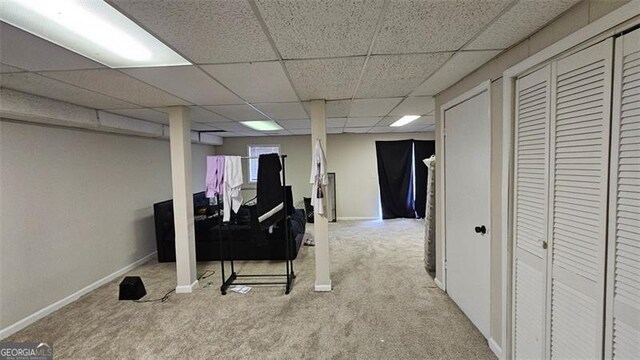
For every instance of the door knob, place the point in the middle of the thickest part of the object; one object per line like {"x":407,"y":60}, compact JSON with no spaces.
{"x":481,"y":229}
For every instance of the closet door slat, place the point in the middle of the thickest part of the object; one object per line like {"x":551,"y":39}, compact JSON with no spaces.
{"x":531,"y":212}
{"x":577,"y":222}
{"x":623,"y":292}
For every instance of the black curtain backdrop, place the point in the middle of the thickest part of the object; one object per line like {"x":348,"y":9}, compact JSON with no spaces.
{"x":422,"y":150}
{"x":395,"y":178}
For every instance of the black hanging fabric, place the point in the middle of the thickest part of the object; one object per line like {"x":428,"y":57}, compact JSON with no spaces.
{"x":422,"y":149}
{"x":269,"y":190}
{"x":395,"y":178}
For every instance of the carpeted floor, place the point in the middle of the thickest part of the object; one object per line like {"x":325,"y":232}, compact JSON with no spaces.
{"x":383,"y":306}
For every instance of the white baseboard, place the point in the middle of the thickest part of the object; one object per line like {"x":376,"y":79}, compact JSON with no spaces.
{"x":21,"y":324}
{"x":322,"y":288}
{"x":185,"y":289}
{"x":439,"y":284}
{"x":493,"y":345}
{"x":357,"y":218}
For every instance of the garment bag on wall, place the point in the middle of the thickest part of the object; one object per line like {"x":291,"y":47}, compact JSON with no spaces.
{"x":423,"y":149}
{"x":395,"y":178}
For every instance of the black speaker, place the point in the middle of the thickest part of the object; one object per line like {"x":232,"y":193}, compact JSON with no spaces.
{"x":132,"y":288}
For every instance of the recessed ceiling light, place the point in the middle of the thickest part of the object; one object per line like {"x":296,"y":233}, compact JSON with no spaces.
{"x":93,"y":29}
{"x":405,"y":120}
{"x":261,"y":125}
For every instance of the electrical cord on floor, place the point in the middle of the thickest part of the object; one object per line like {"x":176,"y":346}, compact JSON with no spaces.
{"x":163,"y":299}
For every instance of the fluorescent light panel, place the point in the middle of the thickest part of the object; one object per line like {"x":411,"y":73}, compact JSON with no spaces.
{"x":405,"y":120}
{"x":262,"y":125}
{"x":91,"y":28}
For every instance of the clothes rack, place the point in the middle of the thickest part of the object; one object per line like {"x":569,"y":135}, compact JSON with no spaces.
{"x":289,"y":275}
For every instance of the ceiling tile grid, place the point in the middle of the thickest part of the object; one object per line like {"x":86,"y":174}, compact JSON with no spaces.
{"x":333,"y":108}
{"x":186,"y":82}
{"x":295,"y":124}
{"x":118,"y":85}
{"x":205,"y":31}
{"x":144,"y":114}
{"x":329,"y":79}
{"x":419,"y":105}
{"x":397,"y":75}
{"x":372,"y":107}
{"x":4,"y":69}
{"x":312,"y":29}
{"x":255,"y":82}
{"x":521,"y":20}
{"x":336,"y":122}
{"x":283,"y":111}
{"x":460,"y":64}
{"x":362,"y":122}
{"x":434,"y":25}
{"x":237,"y":112}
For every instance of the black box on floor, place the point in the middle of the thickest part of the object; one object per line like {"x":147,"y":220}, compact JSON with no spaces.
{"x":132,"y":288}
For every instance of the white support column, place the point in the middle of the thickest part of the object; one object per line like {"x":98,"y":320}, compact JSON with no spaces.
{"x":180,"y":139}
{"x":321,"y":223}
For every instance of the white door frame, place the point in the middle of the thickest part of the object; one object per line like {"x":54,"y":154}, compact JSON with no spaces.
{"x":484,"y":86}
{"x":621,"y":19}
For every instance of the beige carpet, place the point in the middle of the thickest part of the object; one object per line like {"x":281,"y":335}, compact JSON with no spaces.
{"x":384,"y":306}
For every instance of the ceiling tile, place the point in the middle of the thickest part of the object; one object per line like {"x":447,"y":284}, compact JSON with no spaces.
{"x":334,"y":130}
{"x":229,"y":134}
{"x":20,"y":48}
{"x":205,"y":31}
{"x":205,"y":116}
{"x":397,"y":75}
{"x":334,"y":108}
{"x":186,"y":82}
{"x":39,"y":85}
{"x":198,"y":126}
{"x":144,"y":114}
{"x":283,"y":111}
{"x":434,"y":25}
{"x":329,"y":79}
{"x":311,"y":28}
{"x":524,"y":18}
{"x":300,"y":131}
{"x":415,"y":106}
{"x":295,"y":124}
{"x":421,"y":121}
{"x":336,"y":122}
{"x":381,"y":129}
{"x":372,"y":107}
{"x":412,"y":129}
{"x":9,"y":69}
{"x":362,"y":122}
{"x":357,"y":130}
{"x":232,"y":126}
{"x":460,"y":65}
{"x":237,"y":112}
{"x":255,"y":82}
{"x":118,"y":85}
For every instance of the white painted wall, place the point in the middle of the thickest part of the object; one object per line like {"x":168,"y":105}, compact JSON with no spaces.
{"x":351,"y":156}
{"x":76,"y":206}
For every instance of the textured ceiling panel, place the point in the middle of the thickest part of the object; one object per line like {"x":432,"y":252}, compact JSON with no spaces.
{"x":372,"y":107}
{"x":205,"y":116}
{"x":231,"y":126}
{"x":412,"y":129}
{"x":8,"y":69}
{"x":362,"y":122}
{"x":300,"y":131}
{"x":336,"y":122}
{"x":205,"y":31}
{"x":334,"y":130}
{"x":295,"y":124}
{"x":202,"y":127}
{"x":415,"y":106}
{"x":39,"y":85}
{"x":255,"y":82}
{"x":357,"y":130}
{"x":118,"y":85}
{"x":144,"y":114}
{"x":455,"y":69}
{"x":422,"y":121}
{"x":312,"y":28}
{"x":283,"y":111}
{"x":334,"y":108}
{"x":397,"y":75}
{"x":186,"y":82}
{"x":380,"y":129}
{"x":237,"y":112}
{"x":434,"y":25}
{"x":329,"y":79}
{"x":525,"y":17}
{"x":20,"y":48}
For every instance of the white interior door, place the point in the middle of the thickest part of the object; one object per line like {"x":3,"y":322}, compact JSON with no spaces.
{"x":467,"y":129}
{"x":623,"y":295}
{"x":531,"y":190}
{"x":579,"y":182}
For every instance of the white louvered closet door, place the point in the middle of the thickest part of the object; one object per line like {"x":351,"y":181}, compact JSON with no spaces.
{"x":530,"y":212}
{"x":623,"y":295}
{"x":580,"y":125}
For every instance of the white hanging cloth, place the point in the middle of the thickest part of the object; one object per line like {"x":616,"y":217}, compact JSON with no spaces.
{"x":232,"y":196}
{"x":430,"y":216}
{"x":318,"y":179}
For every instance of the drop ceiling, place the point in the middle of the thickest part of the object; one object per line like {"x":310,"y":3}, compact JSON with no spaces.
{"x":372,"y":60}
